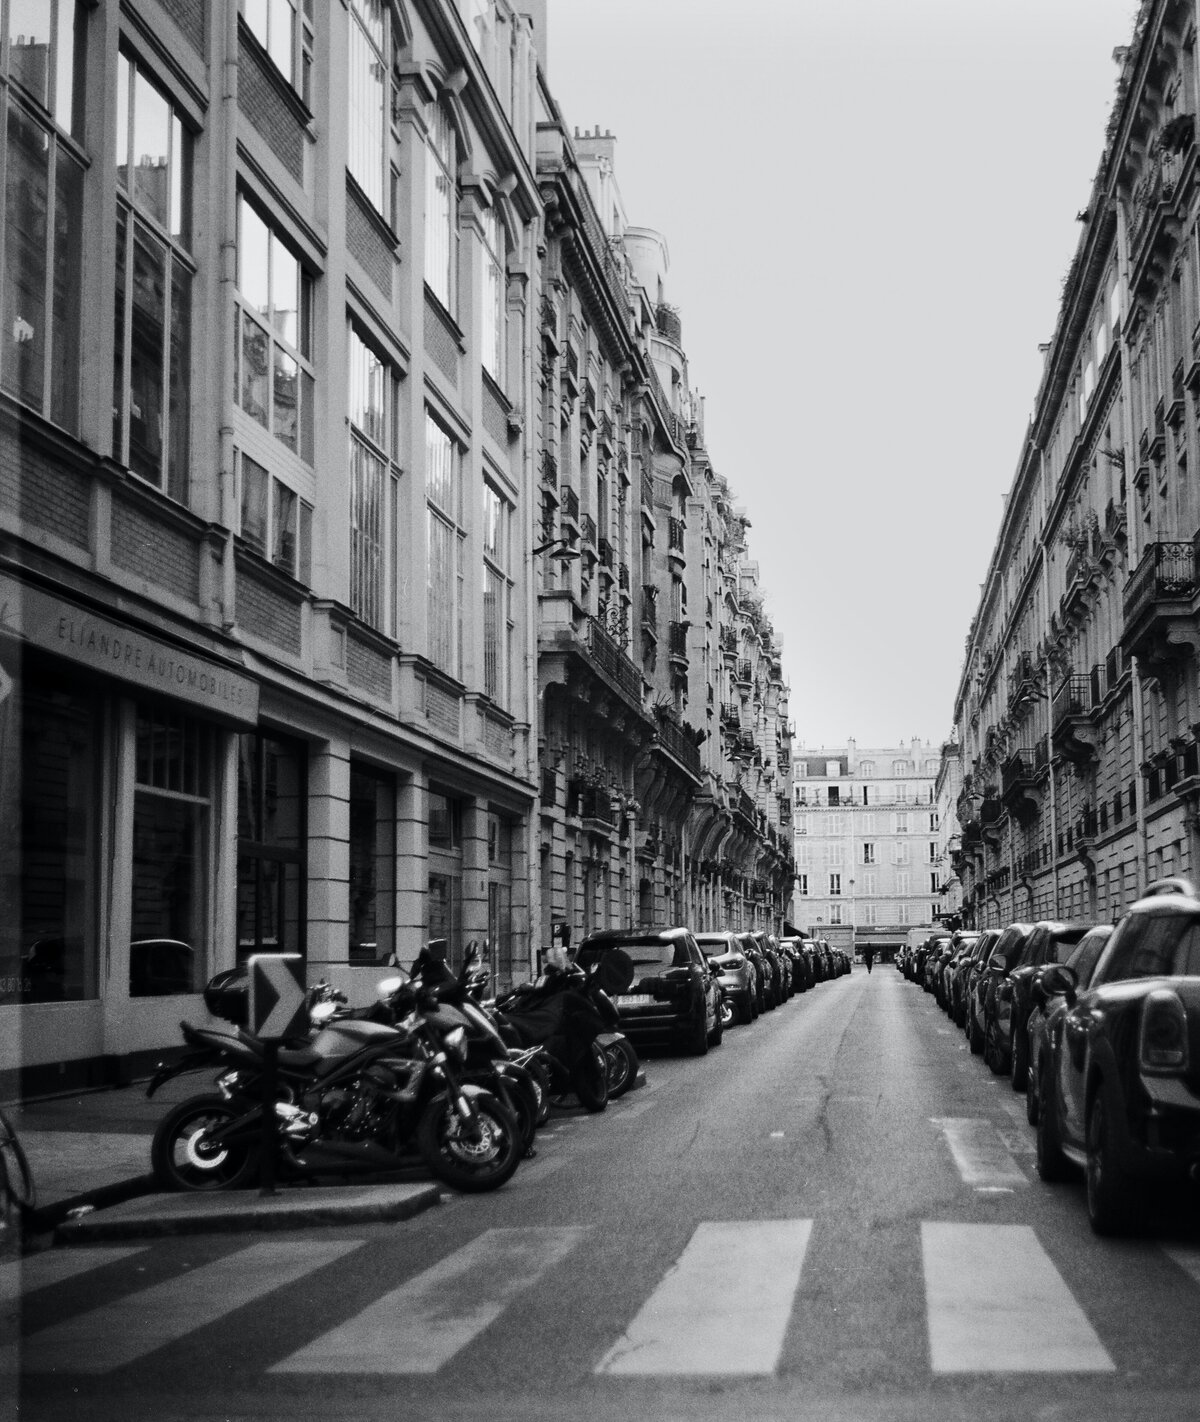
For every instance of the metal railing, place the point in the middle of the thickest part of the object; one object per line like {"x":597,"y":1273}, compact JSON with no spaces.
{"x":612,"y":660}
{"x":676,"y":528}
{"x":570,"y":504}
{"x":678,"y":743}
{"x":1167,"y":570}
{"x":677,"y":639}
{"x":1072,"y":697}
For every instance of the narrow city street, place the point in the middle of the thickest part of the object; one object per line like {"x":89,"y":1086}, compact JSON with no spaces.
{"x":834,"y":1215}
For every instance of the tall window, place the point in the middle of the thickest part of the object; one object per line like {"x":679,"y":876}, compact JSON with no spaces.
{"x":284,"y":28}
{"x":497,"y":601}
{"x":274,"y":382}
{"x":802,"y":885}
{"x":441,"y":207}
{"x":444,"y":514}
{"x":373,"y":481}
{"x":933,"y":884}
{"x":372,"y":916}
{"x":835,"y":884}
{"x":901,"y":819}
{"x":903,"y":883}
{"x":171,"y":854}
{"x":374,"y":142}
{"x":492,"y":335}
{"x":835,"y":913}
{"x":40,"y":351}
{"x":868,"y":851}
{"x":900,"y":852}
{"x":153,"y":310}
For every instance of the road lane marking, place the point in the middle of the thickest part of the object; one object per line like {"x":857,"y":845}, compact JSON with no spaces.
{"x":129,"y":1328}
{"x":723,"y":1309}
{"x":979,"y":1152}
{"x":426,"y":1321}
{"x":995,"y":1303}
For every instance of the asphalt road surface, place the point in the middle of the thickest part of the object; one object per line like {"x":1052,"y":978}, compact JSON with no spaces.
{"x":835,"y":1215}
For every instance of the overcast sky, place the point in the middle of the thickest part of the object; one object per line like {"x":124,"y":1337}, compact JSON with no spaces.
{"x":869,"y":208}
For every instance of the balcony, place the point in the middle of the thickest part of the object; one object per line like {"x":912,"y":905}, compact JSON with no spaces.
{"x":731,"y":715}
{"x":991,"y":814}
{"x":575,"y":650}
{"x":605,"y":549}
{"x":1019,"y":786}
{"x":1085,"y":831}
{"x":666,"y":319}
{"x":1022,"y":679}
{"x":676,"y":528}
{"x":623,"y":577}
{"x":592,"y":804}
{"x":650,"y":608}
{"x":549,"y":317}
{"x":1073,"y":730}
{"x":570,"y":504}
{"x":1159,"y":625}
{"x":549,"y":469}
{"x":587,"y":525}
{"x":745,"y":671}
{"x":606,"y":428}
{"x":676,"y":741}
{"x":677,"y":640}
{"x":648,"y":492}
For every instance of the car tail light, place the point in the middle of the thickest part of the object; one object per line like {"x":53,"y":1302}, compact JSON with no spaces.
{"x":1163,"y":1041}
{"x":735,"y":962}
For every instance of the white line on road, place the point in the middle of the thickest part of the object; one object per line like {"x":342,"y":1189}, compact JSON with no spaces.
{"x":39,"y":1271}
{"x":723,"y":1310}
{"x":422,"y":1324}
{"x":979,"y":1152}
{"x":996,"y":1303}
{"x":129,"y":1328}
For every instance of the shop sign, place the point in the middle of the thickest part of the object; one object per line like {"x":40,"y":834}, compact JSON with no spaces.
{"x":106,"y":646}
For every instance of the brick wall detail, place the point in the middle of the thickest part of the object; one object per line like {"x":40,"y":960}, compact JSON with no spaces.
{"x":44,"y":493}
{"x":161,"y":555}
{"x":367,"y":244}
{"x":267,"y":111}
{"x":368,"y":669}
{"x":266,"y":613}
{"x":440,"y":341}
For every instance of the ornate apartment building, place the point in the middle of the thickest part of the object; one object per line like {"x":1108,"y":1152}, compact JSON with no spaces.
{"x":296,"y":443}
{"x":1078,"y":707}
{"x":867,"y":839}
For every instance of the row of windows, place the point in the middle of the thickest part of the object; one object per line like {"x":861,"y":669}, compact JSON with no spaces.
{"x":832,"y":769}
{"x":834,"y":795}
{"x":867,"y":886}
{"x":827,"y":826}
{"x":274,"y":373}
{"x":868,"y":852}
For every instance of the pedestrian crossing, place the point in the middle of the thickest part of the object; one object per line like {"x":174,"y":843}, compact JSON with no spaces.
{"x":994,"y":1302}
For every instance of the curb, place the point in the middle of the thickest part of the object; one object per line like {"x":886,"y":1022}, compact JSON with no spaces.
{"x":237,"y":1211}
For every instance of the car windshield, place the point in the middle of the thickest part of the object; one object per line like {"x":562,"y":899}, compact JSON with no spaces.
{"x":649,"y":953}
{"x":714,"y":944}
{"x":1153,"y":945}
{"x":1063,"y":945}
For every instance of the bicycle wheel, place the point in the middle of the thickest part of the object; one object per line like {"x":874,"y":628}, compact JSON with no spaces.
{"x":19,"y":1179}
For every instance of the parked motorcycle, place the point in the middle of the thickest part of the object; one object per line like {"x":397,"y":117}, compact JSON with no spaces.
{"x":359,"y":1096}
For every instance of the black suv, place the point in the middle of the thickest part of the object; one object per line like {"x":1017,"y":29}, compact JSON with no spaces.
{"x":674,"y":999}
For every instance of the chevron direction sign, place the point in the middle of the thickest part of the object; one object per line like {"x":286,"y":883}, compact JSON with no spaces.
{"x":277,"y":995}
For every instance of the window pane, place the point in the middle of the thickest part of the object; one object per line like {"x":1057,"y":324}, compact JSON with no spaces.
{"x":286,"y":414}
{"x":255,"y":488}
{"x":255,"y":356}
{"x":169,"y":874}
{"x":372,"y":867}
{"x":119,"y":342}
{"x":146,"y":356}
{"x":151,"y":150}
{"x":124,"y":73}
{"x":29,"y":36}
{"x":285,"y":528}
{"x":367,"y":481}
{"x":493,"y":626}
{"x":439,"y":467}
{"x":254,"y":245}
{"x":368,"y":120}
{"x":280,"y":38}
{"x":285,"y":292}
{"x":64,"y":368}
{"x":441,"y":593}
{"x":27,"y":199}
{"x":181,"y":334}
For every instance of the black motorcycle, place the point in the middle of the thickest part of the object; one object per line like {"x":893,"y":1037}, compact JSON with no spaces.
{"x":359,"y":1096}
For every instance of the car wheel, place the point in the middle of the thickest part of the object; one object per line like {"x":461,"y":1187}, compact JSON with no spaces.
{"x":1018,"y":1054}
{"x":1110,"y":1192}
{"x":729,"y":1013}
{"x":622,"y":1067}
{"x":1052,"y":1165}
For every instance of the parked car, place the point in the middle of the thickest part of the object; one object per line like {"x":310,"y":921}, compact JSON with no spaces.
{"x":791,"y":946}
{"x":749,"y":946}
{"x":735,"y":973}
{"x":1050,"y":942}
{"x":1004,"y":957}
{"x":772,"y":970}
{"x":674,"y":999}
{"x":1120,"y":1093}
{"x":976,"y":967}
{"x":1048,"y":1009}
{"x":965,"y":945}
{"x":808,"y":951}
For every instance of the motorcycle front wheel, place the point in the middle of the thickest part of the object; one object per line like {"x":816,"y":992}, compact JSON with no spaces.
{"x":182,"y":1158}
{"x":622,"y":1067}
{"x":475,"y":1155}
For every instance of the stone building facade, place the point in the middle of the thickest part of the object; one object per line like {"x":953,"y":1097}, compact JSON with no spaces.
{"x":281,"y":668}
{"x":1078,"y":706}
{"x":867,"y":839}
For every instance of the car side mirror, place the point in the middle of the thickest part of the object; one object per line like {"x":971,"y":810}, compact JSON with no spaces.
{"x":1058,"y":980}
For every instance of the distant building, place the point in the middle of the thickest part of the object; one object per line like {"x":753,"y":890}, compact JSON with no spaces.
{"x":867,"y":839}
{"x":946,"y":791}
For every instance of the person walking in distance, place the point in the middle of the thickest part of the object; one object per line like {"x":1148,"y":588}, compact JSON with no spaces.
{"x":868,"y":957}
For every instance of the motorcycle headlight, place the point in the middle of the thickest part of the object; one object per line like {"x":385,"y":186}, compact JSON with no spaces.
{"x":456,"y":1043}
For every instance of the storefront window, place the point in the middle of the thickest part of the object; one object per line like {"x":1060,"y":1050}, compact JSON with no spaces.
{"x":168,"y":951}
{"x":272,"y":788}
{"x":49,"y":791}
{"x":445,"y":872}
{"x":372,"y":867}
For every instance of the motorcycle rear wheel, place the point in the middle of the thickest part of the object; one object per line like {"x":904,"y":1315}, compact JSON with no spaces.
{"x":590,"y":1077}
{"x":180,"y":1158}
{"x":471,"y":1156}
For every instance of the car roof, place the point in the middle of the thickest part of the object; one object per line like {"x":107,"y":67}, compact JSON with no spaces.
{"x":615,"y":937}
{"x":1168,"y":896}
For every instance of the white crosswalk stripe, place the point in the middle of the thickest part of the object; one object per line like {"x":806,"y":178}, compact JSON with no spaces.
{"x":422,"y":1324}
{"x":129,"y":1328}
{"x":996,"y":1303}
{"x":723,"y":1310}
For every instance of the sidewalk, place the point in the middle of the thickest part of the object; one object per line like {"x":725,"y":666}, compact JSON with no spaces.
{"x":90,"y":1152}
